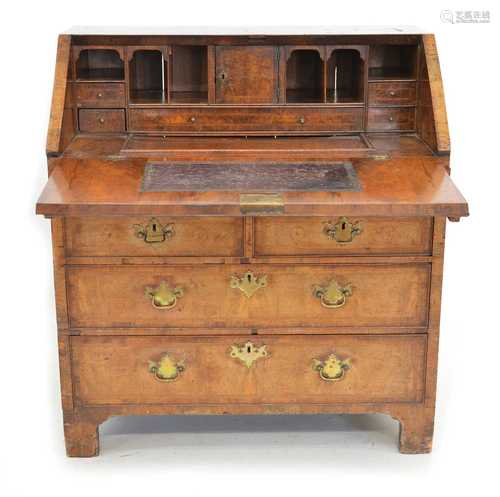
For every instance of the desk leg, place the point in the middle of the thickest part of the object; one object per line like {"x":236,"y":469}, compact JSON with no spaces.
{"x":81,"y":436}
{"x":416,"y":428}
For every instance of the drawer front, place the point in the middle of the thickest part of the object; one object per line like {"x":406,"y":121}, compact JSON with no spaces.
{"x":392,"y":93}
{"x":241,"y":120}
{"x":391,"y":119}
{"x":145,"y":236}
{"x":99,"y":94}
{"x":130,"y":370}
{"x":208,"y":296}
{"x":342,"y":236}
{"x":102,"y":120}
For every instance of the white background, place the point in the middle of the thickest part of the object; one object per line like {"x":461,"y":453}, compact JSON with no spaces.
{"x":330,"y":455}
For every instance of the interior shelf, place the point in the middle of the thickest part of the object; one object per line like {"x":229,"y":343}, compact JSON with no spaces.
{"x":99,"y":65}
{"x":148,"y":77}
{"x":345,"y":77}
{"x":304,"y":77}
{"x":392,"y":62}
{"x":189,"y":78}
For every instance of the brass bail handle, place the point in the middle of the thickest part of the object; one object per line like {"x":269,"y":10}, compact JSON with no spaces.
{"x":163,"y":296}
{"x":343,"y":231}
{"x":166,"y":369}
{"x":154,"y":231}
{"x":332,"y":368}
{"x":333,"y":295}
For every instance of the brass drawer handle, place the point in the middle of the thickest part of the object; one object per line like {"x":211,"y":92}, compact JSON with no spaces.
{"x":99,"y":95}
{"x":343,"y":231}
{"x":248,"y":353}
{"x":192,"y":119}
{"x":301,"y":120}
{"x":163,"y":296}
{"x":166,"y":369}
{"x":392,"y":93}
{"x":390,"y":119}
{"x":333,"y":295}
{"x":248,"y":283}
{"x":101,"y":120}
{"x":332,"y":368}
{"x":154,"y":231}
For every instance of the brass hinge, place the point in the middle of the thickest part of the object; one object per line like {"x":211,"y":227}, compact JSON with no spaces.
{"x":261,"y":203}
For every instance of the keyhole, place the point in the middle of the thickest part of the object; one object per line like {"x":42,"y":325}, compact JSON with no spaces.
{"x":343,"y":226}
{"x":249,"y":278}
{"x":249,"y":349}
{"x":154,"y":227}
{"x":222,"y":75}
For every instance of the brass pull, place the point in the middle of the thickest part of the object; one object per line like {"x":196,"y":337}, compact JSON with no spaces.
{"x":192,"y":119}
{"x":166,"y":369}
{"x":154,"y":231}
{"x":163,"y":296}
{"x":99,"y":95}
{"x":248,"y":353}
{"x":101,"y":120}
{"x":332,"y":368}
{"x":333,"y":295}
{"x":390,"y":118}
{"x":301,"y":120}
{"x":343,"y":231}
{"x":392,"y":93}
{"x":248,"y":283}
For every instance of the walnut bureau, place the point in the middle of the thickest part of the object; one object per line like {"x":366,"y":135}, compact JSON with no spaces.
{"x":248,"y":224}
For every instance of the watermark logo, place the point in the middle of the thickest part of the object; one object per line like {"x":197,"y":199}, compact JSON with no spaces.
{"x":466,"y":16}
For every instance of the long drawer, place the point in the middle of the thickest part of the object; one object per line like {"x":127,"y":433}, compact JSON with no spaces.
{"x":241,"y":120}
{"x":146,"y":236}
{"x":272,"y":370}
{"x":259,"y":296}
{"x":276,"y":236}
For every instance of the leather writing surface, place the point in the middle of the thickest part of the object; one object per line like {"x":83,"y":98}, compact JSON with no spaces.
{"x":163,"y":177}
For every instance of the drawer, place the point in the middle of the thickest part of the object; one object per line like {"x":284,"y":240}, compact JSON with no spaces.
{"x":143,"y":236}
{"x":217,"y":119}
{"x":278,"y":296}
{"x":391,"y":119}
{"x":392,"y":93}
{"x":342,"y":236}
{"x":102,"y":120}
{"x":99,"y":94}
{"x":202,"y":370}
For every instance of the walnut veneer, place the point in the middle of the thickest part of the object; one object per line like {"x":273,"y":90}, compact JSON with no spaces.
{"x":236,"y":301}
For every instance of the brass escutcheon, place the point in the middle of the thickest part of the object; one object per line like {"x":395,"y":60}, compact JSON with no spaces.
{"x":343,"y":231}
{"x":248,"y":283}
{"x":333,"y":295}
{"x":248,"y":353}
{"x":332,"y":368}
{"x":163,"y":296}
{"x":166,"y":369}
{"x":154,"y":231}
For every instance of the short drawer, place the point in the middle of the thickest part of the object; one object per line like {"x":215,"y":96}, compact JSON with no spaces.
{"x":391,"y":119}
{"x":249,"y":296}
{"x":286,"y":370}
{"x":102,"y":120}
{"x":151,"y":236}
{"x":392,"y":93}
{"x":99,"y":94}
{"x":314,"y":236}
{"x":240,"y":120}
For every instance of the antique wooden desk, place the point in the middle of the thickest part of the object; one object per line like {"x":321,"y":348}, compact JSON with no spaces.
{"x":248,"y":224}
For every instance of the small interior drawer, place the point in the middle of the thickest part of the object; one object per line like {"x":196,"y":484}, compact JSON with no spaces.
{"x":392,"y":93}
{"x":391,"y":119}
{"x":102,"y":120}
{"x":99,"y":94}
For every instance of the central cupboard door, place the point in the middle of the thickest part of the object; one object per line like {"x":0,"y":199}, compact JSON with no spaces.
{"x":246,"y":75}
